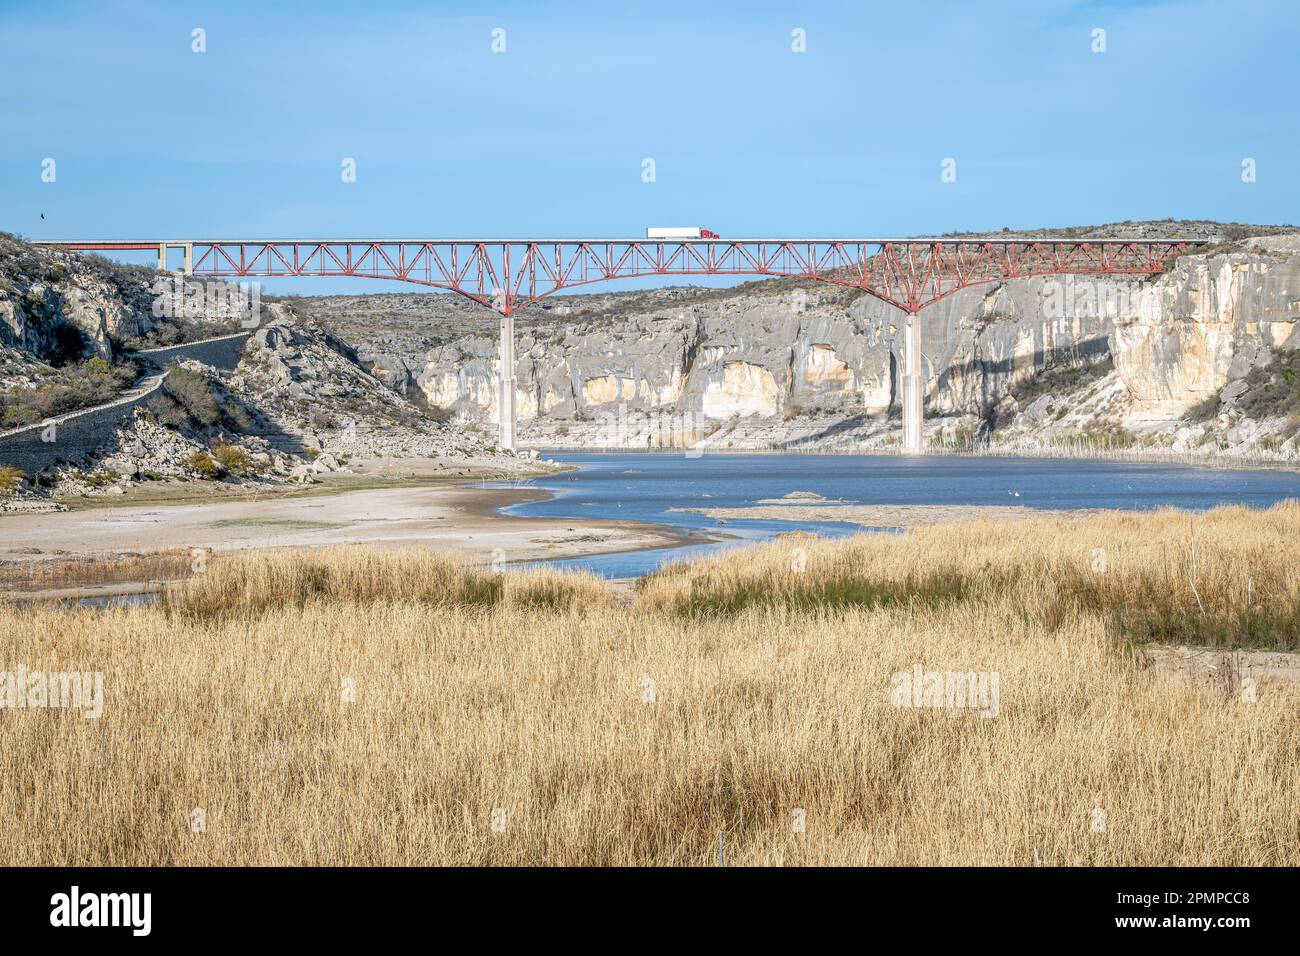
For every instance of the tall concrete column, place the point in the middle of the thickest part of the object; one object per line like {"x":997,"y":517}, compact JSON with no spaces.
{"x":189,"y":258}
{"x":506,"y":384}
{"x":913,"y":387}
{"x":162,"y":257}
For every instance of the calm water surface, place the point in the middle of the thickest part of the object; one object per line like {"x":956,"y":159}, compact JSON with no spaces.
{"x":643,"y":486}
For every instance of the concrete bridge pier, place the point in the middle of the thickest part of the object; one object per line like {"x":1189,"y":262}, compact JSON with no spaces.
{"x":186,"y":247}
{"x":913,"y":387}
{"x":506,"y":384}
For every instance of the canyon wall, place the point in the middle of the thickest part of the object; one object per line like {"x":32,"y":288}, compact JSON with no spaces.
{"x":778,"y":351}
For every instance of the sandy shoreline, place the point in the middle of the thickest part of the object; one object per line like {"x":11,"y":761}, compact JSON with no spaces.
{"x":460,"y":517}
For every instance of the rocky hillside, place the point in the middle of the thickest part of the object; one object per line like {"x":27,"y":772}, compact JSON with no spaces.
{"x":69,"y":324}
{"x":61,"y":306}
{"x":298,"y":404}
{"x":1197,"y":360}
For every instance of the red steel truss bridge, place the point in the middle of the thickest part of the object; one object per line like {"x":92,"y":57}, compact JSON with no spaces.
{"x":511,"y":274}
{"x":508,"y":275}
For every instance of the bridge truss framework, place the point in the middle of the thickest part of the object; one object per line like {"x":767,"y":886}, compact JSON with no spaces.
{"x":508,"y":275}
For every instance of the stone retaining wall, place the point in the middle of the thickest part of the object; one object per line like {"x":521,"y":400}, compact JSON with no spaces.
{"x":222,"y":353}
{"x":73,"y":436}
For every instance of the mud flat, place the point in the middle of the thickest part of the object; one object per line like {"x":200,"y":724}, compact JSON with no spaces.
{"x":1225,"y":669}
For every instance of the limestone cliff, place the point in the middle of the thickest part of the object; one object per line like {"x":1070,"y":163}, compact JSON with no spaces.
{"x":781,"y":363}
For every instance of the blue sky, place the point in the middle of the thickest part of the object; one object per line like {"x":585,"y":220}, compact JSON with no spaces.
{"x":549,"y":137}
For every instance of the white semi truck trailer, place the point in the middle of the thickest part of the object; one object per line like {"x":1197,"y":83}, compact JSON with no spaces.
{"x":679,"y":232}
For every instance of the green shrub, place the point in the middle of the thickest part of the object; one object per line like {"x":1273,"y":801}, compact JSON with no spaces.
{"x":233,"y":459}
{"x":16,"y":414}
{"x":1272,"y":390}
{"x":70,"y":388}
{"x":190,"y":400}
{"x":203,"y":464}
{"x":10,"y":479}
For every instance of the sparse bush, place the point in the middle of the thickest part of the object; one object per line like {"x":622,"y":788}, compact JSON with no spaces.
{"x":10,"y":479}
{"x":124,"y":275}
{"x":68,"y":389}
{"x":234,"y":417}
{"x":1273,"y":390}
{"x":203,"y":464}
{"x":233,"y":459}
{"x":189,"y":400}
{"x":16,"y":414}
{"x":168,"y":411}
{"x":1108,"y":438}
{"x":961,"y":438}
{"x":1061,"y":379}
{"x":192,"y":392}
{"x":1206,"y":409}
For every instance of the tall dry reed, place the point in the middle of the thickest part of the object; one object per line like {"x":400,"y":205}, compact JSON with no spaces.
{"x":361,"y":708}
{"x":1229,"y":577}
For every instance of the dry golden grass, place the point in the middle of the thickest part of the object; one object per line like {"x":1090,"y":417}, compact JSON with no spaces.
{"x":92,"y":571}
{"x":527,"y":696}
{"x":1229,"y":577}
{"x":250,"y":583}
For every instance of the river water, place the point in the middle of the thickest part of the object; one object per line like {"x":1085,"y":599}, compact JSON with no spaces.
{"x":643,"y":486}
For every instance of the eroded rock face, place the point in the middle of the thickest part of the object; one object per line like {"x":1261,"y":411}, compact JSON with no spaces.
{"x":59,"y":305}
{"x":774,"y":350}
{"x":1214,"y":320}
{"x":742,"y":389}
{"x":38,"y":321}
